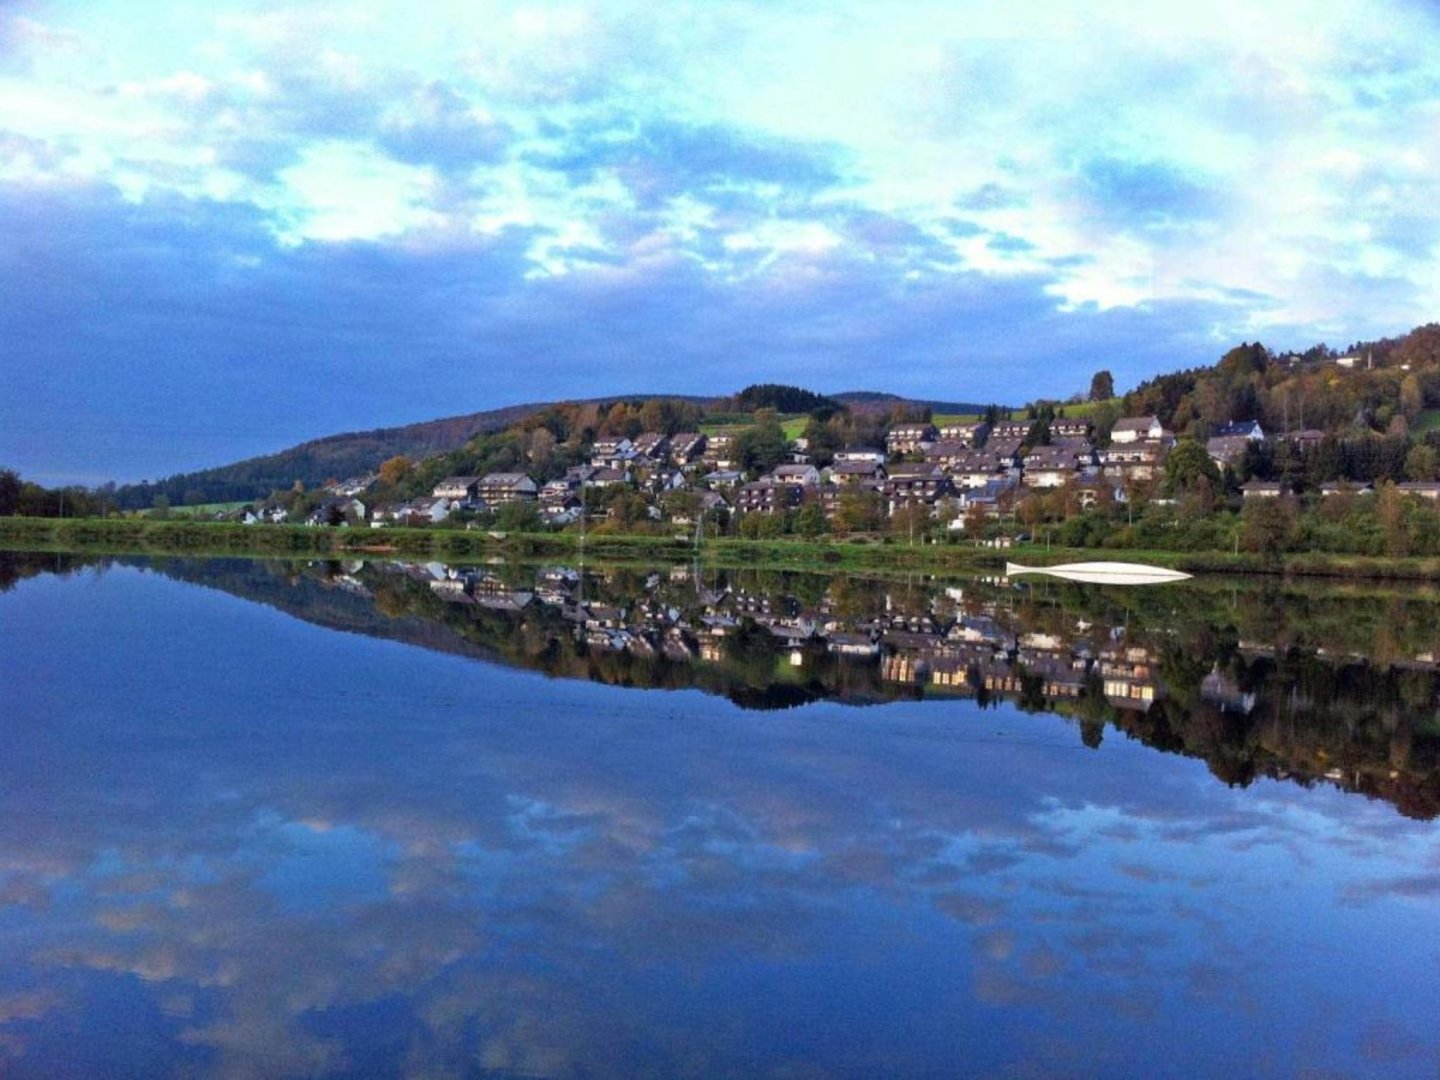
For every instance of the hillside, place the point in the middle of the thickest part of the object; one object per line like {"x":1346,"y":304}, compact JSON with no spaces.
{"x":331,"y":457}
{"x":357,"y":453}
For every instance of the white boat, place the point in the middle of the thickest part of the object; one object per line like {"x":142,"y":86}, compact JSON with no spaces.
{"x":1102,"y":573}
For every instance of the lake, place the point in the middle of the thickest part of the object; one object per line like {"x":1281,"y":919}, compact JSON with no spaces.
{"x":263,"y":818}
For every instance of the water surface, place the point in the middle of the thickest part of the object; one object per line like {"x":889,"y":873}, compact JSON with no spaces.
{"x":332,"y":819}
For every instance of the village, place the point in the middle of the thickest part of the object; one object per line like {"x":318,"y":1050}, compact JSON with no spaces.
{"x":956,"y":477}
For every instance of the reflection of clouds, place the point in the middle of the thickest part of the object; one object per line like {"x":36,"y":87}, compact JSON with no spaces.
{"x":590,"y":887}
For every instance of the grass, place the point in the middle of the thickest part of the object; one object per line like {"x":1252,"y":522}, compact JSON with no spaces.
{"x":1428,"y":420}
{"x":140,"y":536}
{"x":793,"y":425}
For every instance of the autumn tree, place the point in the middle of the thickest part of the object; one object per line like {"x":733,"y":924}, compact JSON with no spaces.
{"x":394,"y":470}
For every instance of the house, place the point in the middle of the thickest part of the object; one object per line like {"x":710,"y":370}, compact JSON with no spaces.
{"x":855,"y":472}
{"x":861,"y":453}
{"x":1242,"y":429}
{"x":977,"y":468}
{"x":1304,"y":440}
{"x":909,"y":438}
{"x":1228,"y":450}
{"x":604,"y":478}
{"x":556,"y":491}
{"x":972,"y":433}
{"x":947,"y":452}
{"x":652,"y":445}
{"x":806,"y":475}
{"x":1136,"y":460}
{"x":686,"y":448}
{"x":1062,"y":428}
{"x":720,"y":450}
{"x":429,"y":511}
{"x":907,"y":485}
{"x":1053,"y":466}
{"x":769,"y":496}
{"x":463,"y":488}
{"x":1344,"y":487}
{"x":561,"y":512}
{"x":1004,"y":446}
{"x":1423,"y":489}
{"x":1264,"y":489}
{"x":722,"y":478}
{"x":338,"y":511}
{"x":497,"y":489}
{"x":1018,"y":430}
{"x":1095,"y":490}
{"x":611,"y":447}
{"x":1136,"y":428}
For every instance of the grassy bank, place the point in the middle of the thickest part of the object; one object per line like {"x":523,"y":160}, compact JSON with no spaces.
{"x":142,"y":536}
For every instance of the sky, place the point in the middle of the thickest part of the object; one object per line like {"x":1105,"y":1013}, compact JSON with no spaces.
{"x":229,"y":227}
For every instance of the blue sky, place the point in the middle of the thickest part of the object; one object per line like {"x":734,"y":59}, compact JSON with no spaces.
{"x":231,"y":227}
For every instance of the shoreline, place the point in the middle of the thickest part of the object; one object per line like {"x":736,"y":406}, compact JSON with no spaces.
{"x":131,"y":536}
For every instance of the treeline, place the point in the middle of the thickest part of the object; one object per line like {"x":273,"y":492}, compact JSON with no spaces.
{"x":25,"y":498}
{"x":1392,"y":382}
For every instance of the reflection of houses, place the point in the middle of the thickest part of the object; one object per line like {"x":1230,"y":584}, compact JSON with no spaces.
{"x":850,"y":643}
{"x":1220,"y":690}
{"x":1128,"y":678}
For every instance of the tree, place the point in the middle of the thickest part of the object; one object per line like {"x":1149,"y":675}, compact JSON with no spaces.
{"x":859,"y":511}
{"x":394,"y":470}
{"x":910,"y":520}
{"x":762,"y":446}
{"x":1422,"y":462}
{"x":1102,"y":386}
{"x":9,"y":492}
{"x":810,"y":520}
{"x":1187,"y":467}
{"x":1267,"y":525}
{"x":522,"y":515}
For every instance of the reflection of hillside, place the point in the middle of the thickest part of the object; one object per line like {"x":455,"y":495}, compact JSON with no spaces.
{"x":1309,"y":688}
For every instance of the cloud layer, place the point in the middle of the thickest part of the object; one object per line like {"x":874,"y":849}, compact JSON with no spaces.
{"x":932,"y":199}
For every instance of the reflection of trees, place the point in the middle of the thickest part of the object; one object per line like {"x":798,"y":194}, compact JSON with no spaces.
{"x":1308,"y":685}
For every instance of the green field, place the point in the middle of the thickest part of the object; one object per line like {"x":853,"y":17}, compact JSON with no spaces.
{"x":793,"y":425}
{"x":1429,"y":420}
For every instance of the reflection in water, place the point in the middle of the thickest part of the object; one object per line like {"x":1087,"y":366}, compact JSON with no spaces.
{"x":250,"y":845}
{"x":1306,"y":686}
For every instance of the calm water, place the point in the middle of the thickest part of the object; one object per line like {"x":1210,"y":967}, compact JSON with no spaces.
{"x":262,"y":820}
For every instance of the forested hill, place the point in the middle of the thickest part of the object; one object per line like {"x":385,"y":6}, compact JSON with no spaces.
{"x":332,"y":457}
